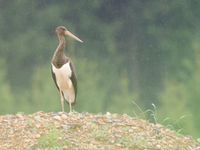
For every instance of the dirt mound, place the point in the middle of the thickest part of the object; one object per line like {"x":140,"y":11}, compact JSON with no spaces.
{"x":87,"y":131}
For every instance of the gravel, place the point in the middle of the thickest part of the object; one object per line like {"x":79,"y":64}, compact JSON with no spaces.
{"x":87,"y":131}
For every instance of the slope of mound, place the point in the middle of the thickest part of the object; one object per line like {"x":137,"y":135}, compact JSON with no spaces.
{"x":87,"y":131}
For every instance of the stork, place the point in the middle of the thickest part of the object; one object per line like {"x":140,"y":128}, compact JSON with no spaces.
{"x":62,"y":69}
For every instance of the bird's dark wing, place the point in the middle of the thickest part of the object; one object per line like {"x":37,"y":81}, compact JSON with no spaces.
{"x":73,"y":78}
{"x":54,"y":76}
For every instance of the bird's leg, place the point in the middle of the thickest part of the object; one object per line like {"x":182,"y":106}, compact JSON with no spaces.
{"x":70,"y":107}
{"x":62,"y":101}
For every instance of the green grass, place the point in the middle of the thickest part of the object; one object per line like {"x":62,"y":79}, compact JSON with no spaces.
{"x":100,"y":134}
{"x":52,"y":141}
{"x":29,"y":122}
{"x":149,"y":114}
{"x":198,"y":140}
{"x":152,"y":116}
{"x":125,"y":141}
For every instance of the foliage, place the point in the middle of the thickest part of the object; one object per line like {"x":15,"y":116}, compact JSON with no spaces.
{"x":6,"y":96}
{"x":52,"y":140}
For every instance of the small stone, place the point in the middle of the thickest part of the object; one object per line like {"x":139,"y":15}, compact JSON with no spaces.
{"x":158,"y":146}
{"x":125,"y":115}
{"x":159,"y":125}
{"x":69,"y":137}
{"x":116,"y":120}
{"x":64,"y":116}
{"x":37,"y":125}
{"x":190,"y":148}
{"x":164,"y":142}
{"x":60,"y":113}
{"x":117,"y":135}
{"x":170,"y":146}
{"x":118,"y":144}
{"x":80,"y":116}
{"x":108,"y":114}
{"x":84,"y":126}
{"x":37,"y":117}
{"x":37,"y":136}
{"x":130,"y":130}
{"x":19,"y":116}
{"x":109,"y":121}
{"x":112,"y":141}
{"x":133,"y":136}
{"x":114,"y":115}
{"x":93,"y":121}
{"x":57,"y":118}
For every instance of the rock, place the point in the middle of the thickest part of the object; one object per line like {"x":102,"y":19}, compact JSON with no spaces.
{"x":37,"y":136}
{"x":158,"y":146}
{"x":37,"y":118}
{"x":57,"y":118}
{"x":116,"y":120}
{"x":64,"y":116}
{"x":20,"y":116}
{"x":130,"y":130}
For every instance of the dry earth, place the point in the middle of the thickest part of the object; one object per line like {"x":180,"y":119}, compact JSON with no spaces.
{"x":85,"y":131}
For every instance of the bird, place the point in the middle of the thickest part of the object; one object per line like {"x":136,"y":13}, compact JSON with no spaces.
{"x":62,"y":69}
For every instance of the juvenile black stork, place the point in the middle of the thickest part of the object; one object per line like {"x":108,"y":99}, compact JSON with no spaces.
{"x":63,"y":70}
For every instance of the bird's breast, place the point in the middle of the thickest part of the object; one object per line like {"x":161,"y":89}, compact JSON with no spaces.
{"x":63,"y":75}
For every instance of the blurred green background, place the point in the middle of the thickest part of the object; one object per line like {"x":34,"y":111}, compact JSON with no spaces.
{"x":139,"y":51}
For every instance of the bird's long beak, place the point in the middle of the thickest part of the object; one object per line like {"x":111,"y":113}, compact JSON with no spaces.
{"x":72,"y":36}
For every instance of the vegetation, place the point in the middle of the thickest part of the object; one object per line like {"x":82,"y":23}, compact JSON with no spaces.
{"x":52,"y":140}
{"x":146,"y":51}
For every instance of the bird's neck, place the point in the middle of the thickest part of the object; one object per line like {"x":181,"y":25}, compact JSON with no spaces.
{"x":61,"y":46}
{"x":59,"y":56}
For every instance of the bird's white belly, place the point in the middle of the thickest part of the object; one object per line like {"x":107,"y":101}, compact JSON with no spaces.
{"x":64,"y":82}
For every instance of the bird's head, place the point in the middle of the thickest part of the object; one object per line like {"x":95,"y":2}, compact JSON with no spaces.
{"x":61,"y":31}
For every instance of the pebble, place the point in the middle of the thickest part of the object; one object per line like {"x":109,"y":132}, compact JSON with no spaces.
{"x":114,"y":115}
{"x":118,"y":144}
{"x":80,"y":115}
{"x":60,"y":113}
{"x":130,"y":130}
{"x":65,"y":148}
{"x":57,"y":118}
{"x":37,"y":136}
{"x":20,"y":116}
{"x":159,"y":125}
{"x":109,"y":121}
{"x":112,"y":141}
{"x":170,"y":146}
{"x":108,"y":115}
{"x":84,"y":126}
{"x":69,"y":136}
{"x":116,"y":120}
{"x":64,"y":116}
{"x":65,"y":127}
{"x":158,"y":146}
{"x":117,"y":135}
{"x":37,"y":125}
{"x":37,"y":117}
{"x":190,"y":148}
